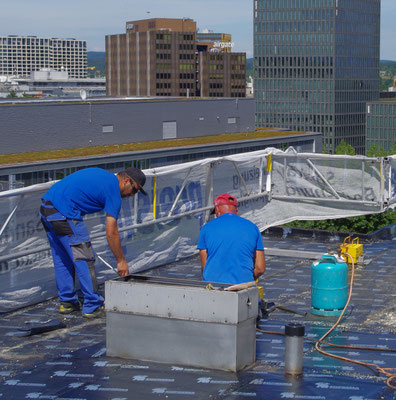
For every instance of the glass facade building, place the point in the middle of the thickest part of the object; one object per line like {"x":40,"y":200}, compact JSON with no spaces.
{"x":316,"y":66}
{"x":381,"y":124}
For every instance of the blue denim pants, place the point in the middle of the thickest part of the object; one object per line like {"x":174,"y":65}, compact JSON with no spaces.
{"x":72,"y":253}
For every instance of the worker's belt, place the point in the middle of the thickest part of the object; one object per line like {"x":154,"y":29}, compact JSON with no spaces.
{"x":47,"y":208}
{"x":45,"y":202}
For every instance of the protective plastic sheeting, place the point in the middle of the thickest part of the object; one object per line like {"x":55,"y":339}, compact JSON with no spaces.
{"x":272,"y":186}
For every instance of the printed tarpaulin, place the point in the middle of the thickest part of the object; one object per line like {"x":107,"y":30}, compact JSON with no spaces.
{"x":273,"y":187}
{"x":392,"y":181}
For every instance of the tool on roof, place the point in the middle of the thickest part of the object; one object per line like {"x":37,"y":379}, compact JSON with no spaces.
{"x":354,"y":248}
{"x":39,"y":327}
{"x":260,"y":290}
{"x":268,"y":308}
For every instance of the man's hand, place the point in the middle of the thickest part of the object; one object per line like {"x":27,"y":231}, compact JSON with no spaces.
{"x":122,"y":268}
{"x":113,"y":238}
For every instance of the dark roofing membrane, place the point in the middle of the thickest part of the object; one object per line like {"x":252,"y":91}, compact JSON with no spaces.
{"x":71,"y":363}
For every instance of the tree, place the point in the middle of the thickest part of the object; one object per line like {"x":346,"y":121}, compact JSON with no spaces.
{"x":374,"y":151}
{"x":12,"y":94}
{"x":392,"y":150}
{"x":345,"y":148}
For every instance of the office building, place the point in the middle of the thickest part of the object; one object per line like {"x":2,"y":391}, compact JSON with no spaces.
{"x":21,"y":55}
{"x":381,"y":124}
{"x":162,"y":57}
{"x":316,"y":66}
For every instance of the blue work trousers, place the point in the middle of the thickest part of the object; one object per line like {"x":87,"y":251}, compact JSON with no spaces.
{"x":72,"y":253}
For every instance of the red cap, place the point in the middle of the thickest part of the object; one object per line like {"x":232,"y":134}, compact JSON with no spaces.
{"x":225,"y":199}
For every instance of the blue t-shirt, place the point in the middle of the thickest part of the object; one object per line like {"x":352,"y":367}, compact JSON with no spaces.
{"x":85,"y":192}
{"x":231,"y":242}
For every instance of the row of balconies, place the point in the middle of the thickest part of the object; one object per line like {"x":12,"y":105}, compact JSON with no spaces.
{"x":41,"y":48}
{"x":38,"y":54}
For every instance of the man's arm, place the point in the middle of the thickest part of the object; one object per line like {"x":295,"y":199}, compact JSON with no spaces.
{"x":113,"y":238}
{"x":259,"y":264}
{"x":203,"y":254}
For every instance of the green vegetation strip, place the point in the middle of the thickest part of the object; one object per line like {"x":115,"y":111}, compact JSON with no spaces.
{"x":362,"y":224}
{"x":140,"y":146}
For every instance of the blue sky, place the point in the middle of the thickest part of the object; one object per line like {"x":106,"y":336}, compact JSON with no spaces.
{"x":92,"y":20}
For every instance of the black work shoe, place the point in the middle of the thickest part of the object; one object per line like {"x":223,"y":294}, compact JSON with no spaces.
{"x":97,"y":313}
{"x":68,"y":308}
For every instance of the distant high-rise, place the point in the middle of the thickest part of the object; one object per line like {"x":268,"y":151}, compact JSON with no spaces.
{"x":21,"y":55}
{"x":316,"y":66}
{"x":162,"y":57}
{"x":381,"y":124}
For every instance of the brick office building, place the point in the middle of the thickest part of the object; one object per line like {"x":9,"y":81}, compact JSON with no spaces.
{"x":161,"y":57}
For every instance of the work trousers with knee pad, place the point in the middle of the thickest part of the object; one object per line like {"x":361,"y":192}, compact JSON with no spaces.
{"x":72,"y":253}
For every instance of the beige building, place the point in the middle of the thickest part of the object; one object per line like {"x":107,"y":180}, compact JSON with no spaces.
{"x":161,"y":57}
{"x":21,"y":55}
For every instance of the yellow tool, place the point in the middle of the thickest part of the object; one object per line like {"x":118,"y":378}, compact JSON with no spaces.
{"x":260,"y":290}
{"x":354,"y":248}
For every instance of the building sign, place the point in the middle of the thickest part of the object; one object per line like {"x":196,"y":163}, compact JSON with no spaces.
{"x":223,"y":45}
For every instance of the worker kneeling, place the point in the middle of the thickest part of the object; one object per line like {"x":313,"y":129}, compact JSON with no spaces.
{"x":231,"y":247}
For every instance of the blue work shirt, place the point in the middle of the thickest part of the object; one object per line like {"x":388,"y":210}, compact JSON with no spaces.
{"x":231,"y":242}
{"x":86,"y":191}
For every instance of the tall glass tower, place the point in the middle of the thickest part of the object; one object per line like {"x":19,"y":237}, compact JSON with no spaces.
{"x":316,"y":66}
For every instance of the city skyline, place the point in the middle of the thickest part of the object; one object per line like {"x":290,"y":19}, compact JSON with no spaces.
{"x":93,"y":20}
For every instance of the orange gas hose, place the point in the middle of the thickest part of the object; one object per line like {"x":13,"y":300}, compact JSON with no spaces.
{"x":390,"y":373}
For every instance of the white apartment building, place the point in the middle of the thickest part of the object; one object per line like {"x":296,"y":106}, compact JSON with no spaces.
{"x":20,"y":55}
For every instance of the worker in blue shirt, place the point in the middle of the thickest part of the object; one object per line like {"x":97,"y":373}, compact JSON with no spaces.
{"x":230,"y":247}
{"x":62,"y":209}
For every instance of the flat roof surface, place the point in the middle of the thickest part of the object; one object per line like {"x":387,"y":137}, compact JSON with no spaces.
{"x":71,"y":363}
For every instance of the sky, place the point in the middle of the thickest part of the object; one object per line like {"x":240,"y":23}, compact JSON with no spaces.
{"x":92,"y":20}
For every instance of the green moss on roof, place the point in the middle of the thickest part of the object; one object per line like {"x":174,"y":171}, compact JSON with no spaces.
{"x":260,"y":133}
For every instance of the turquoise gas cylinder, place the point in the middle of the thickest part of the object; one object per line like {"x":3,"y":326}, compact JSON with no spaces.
{"x":329,"y":285}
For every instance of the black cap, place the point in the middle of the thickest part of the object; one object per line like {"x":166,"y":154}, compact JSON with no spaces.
{"x":138,"y":176}
{"x":294,"y":329}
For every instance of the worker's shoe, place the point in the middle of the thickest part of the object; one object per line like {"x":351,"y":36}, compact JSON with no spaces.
{"x":68,"y":308}
{"x":97,"y":313}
